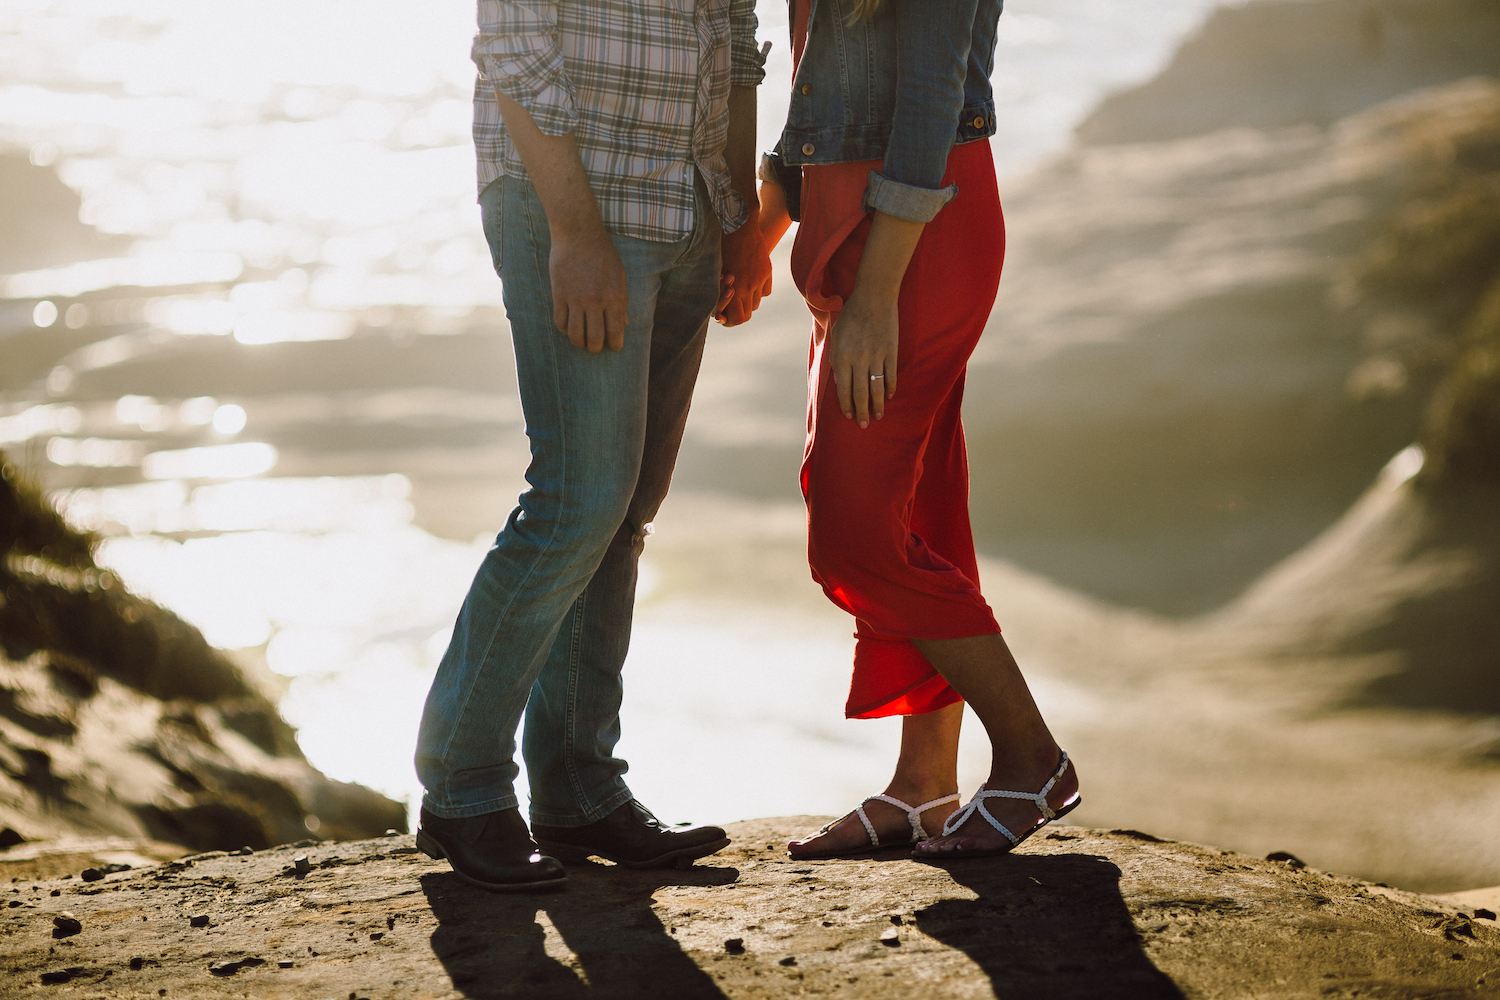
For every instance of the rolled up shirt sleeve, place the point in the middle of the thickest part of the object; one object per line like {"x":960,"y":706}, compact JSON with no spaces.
{"x":933,"y":53}
{"x":517,"y":50}
{"x":747,"y":66}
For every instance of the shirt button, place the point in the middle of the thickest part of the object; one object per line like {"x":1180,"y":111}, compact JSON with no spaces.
{"x":979,"y":122}
{"x":807,"y":149}
{"x":806,"y":89}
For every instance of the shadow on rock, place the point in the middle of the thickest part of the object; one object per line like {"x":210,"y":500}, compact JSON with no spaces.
{"x":496,"y":945}
{"x":1048,"y":927}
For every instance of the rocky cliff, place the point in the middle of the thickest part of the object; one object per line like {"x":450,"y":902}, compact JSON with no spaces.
{"x":1076,"y":913}
{"x":1206,"y":346}
{"x":116,"y":718}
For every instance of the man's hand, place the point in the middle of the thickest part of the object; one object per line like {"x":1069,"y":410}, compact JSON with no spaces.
{"x":589,"y":298}
{"x":746,"y":273}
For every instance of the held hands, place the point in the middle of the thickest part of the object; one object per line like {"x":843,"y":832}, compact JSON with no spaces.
{"x":589,"y":297}
{"x":861,"y":350}
{"x":746,"y":273}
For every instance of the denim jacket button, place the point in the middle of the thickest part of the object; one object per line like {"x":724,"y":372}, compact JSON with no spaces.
{"x":807,"y":149}
{"x":806,"y":89}
{"x":979,"y":121}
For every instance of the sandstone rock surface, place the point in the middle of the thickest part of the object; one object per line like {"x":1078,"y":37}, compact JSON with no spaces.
{"x":1075,"y":913}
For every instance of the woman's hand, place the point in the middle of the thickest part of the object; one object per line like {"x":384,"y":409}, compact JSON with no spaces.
{"x":861,"y":349}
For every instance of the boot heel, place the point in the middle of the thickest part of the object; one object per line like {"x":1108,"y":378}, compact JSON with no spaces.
{"x":429,"y":846}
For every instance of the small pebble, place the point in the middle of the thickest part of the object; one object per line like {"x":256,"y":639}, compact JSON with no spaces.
{"x":55,"y":978}
{"x":1480,"y":913}
{"x":376,"y":936}
{"x":65,"y":925}
{"x":896,"y":919}
{"x":91,"y":875}
{"x":301,"y":864}
{"x":285,"y":964}
{"x":201,"y":920}
{"x":890,"y":937}
{"x":245,"y":852}
{"x":136,"y":963}
{"x":735,"y":946}
{"x":789,"y":960}
{"x":57,"y":892}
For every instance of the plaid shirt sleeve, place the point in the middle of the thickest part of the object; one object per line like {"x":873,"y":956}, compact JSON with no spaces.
{"x":517,"y":50}
{"x":747,"y":65}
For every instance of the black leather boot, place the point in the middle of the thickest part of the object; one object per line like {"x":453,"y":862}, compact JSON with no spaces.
{"x":633,"y":837}
{"x":493,"y":851}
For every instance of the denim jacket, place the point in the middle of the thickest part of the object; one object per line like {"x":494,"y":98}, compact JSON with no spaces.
{"x":905,"y":85}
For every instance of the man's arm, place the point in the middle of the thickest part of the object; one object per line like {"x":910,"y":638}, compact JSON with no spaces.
{"x":517,"y":52}
{"x":589,"y":297}
{"x":747,"y":260}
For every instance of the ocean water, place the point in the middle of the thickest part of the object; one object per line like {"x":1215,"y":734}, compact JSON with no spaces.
{"x":285,"y":171}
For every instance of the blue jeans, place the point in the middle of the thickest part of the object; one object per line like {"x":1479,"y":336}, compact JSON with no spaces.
{"x":546,"y":624}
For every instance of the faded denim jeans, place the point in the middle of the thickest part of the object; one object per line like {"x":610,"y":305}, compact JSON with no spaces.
{"x":546,"y":623}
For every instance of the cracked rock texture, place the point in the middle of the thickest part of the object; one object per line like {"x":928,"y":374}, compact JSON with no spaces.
{"x":1075,"y":913}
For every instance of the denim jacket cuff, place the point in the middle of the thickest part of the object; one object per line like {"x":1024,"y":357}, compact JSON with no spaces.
{"x":776,"y":170}
{"x":906,"y":201}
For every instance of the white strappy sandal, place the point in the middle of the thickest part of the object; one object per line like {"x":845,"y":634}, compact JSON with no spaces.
{"x":976,"y":804}
{"x":913,"y":816}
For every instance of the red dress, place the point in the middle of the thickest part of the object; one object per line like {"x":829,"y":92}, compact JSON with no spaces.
{"x":888,"y":506}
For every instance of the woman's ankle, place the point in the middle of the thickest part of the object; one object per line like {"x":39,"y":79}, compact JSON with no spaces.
{"x":1013,"y":770}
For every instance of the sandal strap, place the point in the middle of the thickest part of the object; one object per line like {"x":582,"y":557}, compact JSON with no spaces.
{"x":976,"y":804}
{"x":913,"y":813}
{"x":859,"y":811}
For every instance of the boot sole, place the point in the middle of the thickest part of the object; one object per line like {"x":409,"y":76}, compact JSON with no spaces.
{"x":681,"y":858}
{"x":429,"y":846}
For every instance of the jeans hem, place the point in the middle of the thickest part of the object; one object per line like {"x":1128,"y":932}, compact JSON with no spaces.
{"x":468,"y":812}
{"x":589,"y":815}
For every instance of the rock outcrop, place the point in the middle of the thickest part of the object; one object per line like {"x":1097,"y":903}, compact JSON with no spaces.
{"x":117,"y":718}
{"x":1211,"y":335}
{"x":1076,"y":912}
{"x":1280,"y":63}
{"x":1205,"y":348}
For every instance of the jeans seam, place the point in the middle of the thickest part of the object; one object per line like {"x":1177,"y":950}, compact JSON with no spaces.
{"x":495,"y":633}
{"x":570,"y":714}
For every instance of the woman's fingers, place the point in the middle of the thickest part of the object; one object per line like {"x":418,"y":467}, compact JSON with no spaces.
{"x":877,"y":394}
{"x":841,"y":382}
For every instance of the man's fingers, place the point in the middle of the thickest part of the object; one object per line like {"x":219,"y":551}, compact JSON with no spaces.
{"x":614,"y":325}
{"x":594,"y":327}
{"x":574,"y":320}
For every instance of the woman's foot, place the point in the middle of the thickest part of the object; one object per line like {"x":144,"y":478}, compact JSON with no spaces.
{"x":1019,"y":816}
{"x":891,"y":825}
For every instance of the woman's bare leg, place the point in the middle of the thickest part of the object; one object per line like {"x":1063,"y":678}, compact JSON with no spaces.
{"x":1023,"y":753}
{"x":927,"y":769}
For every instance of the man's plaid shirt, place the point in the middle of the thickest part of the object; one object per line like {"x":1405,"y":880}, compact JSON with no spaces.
{"x":643,"y":85}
